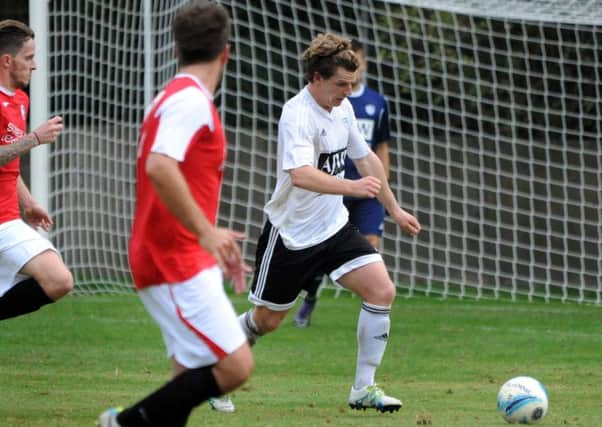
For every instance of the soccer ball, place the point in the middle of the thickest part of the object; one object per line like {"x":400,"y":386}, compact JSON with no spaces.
{"x":522,"y":400}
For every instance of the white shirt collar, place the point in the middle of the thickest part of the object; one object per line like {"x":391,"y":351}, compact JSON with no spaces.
{"x":7,"y":91}
{"x":359,"y":92}
{"x":197,"y":81}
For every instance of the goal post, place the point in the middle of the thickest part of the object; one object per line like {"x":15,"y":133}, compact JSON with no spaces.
{"x":38,"y":111}
{"x":495,"y":143}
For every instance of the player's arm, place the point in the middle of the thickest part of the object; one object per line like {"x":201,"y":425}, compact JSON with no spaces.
{"x":34,"y":214}
{"x":173,"y":190}
{"x":382,"y":152}
{"x":25,"y":198}
{"x":182,"y":116}
{"x":298,"y":161}
{"x":312,"y":179}
{"x":370,"y":165}
{"x":10,"y":152}
{"x":44,"y":134}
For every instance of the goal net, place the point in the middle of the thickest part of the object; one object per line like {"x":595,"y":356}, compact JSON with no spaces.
{"x":495,"y":146}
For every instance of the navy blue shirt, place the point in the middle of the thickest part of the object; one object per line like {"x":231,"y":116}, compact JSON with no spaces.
{"x":372,"y":115}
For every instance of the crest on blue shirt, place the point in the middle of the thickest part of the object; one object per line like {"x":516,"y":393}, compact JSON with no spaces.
{"x":370,"y":109}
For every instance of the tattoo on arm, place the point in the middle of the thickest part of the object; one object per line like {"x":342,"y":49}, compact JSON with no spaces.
{"x":22,"y":146}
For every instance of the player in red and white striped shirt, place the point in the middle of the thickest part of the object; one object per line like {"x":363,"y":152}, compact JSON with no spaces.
{"x":32,"y":273}
{"x":177,"y":253}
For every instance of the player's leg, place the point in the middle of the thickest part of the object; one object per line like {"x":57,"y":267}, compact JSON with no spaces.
{"x":366,"y":214}
{"x":279,"y":277}
{"x":361,"y":270}
{"x":255,"y":323}
{"x":51,"y":273}
{"x":32,"y":273}
{"x":261,"y":320}
{"x":171,"y":404}
{"x":276,"y":284}
{"x":202,"y":334}
{"x":372,"y":284}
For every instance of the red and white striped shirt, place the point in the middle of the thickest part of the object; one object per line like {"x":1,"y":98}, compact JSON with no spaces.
{"x":14,"y":107}
{"x":182,"y":123}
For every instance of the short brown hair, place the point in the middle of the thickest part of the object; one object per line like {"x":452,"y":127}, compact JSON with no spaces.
{"x":13,"y":34}
{"x":201,"y":30}
{"x":325,"y":54}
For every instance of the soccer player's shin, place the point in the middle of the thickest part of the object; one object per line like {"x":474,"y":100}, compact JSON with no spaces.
{"x":25,"y":297}
{"x":249,"y":326}
{"x":171,"y":404}
{"x":372,"y":336}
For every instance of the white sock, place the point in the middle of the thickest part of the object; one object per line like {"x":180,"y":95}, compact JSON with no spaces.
{"x":372,"y":335}
{"x":249,"y":326}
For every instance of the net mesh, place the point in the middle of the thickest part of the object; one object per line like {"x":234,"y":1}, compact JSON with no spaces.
{"x":496,"y":122}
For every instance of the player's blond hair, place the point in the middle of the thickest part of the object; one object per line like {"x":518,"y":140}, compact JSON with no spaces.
{"x":326,"y":53}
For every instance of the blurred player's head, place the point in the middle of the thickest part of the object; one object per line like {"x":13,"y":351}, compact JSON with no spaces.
{"x":330,"y":66}
{"x":201,"y":32}
{"x":17,"y":50}
{"x":358,"y":48}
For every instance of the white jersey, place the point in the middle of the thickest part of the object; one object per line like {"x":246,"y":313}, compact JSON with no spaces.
{"x":308,"y":135}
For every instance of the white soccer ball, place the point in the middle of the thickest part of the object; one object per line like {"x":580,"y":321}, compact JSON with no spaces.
{"x":522,"y":400}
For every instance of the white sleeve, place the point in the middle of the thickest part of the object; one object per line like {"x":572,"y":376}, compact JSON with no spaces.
{"x":357,"y":146}
{"x":182,"y":115}
{"x":295,"y":140}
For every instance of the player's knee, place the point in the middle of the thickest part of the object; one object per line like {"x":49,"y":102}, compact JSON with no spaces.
{"x":389,"y":292}
{"x":233,"y":371}
{"x":59,"y":284}
{"x":244,"y":371}
{"x":381,"y":295}
{"x":236,"y":378}
{"x":245,"y":364}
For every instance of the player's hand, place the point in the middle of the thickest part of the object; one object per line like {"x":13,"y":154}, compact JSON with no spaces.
{"x":222,"y":244}
{"x":406,"y":221}
{"x":49,"y":131}
{"x":237,"y":273}
{"x":366,"y":187}
{"x":37,"y":217}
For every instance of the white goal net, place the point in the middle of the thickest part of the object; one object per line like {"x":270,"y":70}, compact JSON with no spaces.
{"x":495,"y":111}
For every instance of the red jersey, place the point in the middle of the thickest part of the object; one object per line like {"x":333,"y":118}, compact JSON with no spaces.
{"x":13,"y":124}
{"x":182,"y":123}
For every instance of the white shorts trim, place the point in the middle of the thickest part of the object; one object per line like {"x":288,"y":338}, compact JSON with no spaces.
{"x":19,"y":244}
{"x":196,"y":318}
{"x":255,"y":300}
{"x":354,"y":264}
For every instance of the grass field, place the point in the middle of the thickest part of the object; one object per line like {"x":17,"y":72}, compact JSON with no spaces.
{"x":446,"y":359}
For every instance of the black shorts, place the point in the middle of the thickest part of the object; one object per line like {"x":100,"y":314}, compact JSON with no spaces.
{"x":281,"y":273}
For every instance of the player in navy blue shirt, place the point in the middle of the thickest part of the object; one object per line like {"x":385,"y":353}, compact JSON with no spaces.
{"x":368,"y":215}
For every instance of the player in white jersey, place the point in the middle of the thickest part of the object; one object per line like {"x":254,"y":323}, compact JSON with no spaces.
{"x":307,"y":232}
{"x":367,"y":214}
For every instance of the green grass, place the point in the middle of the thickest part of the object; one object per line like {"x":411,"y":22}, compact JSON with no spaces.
{"x":446,"y":360}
